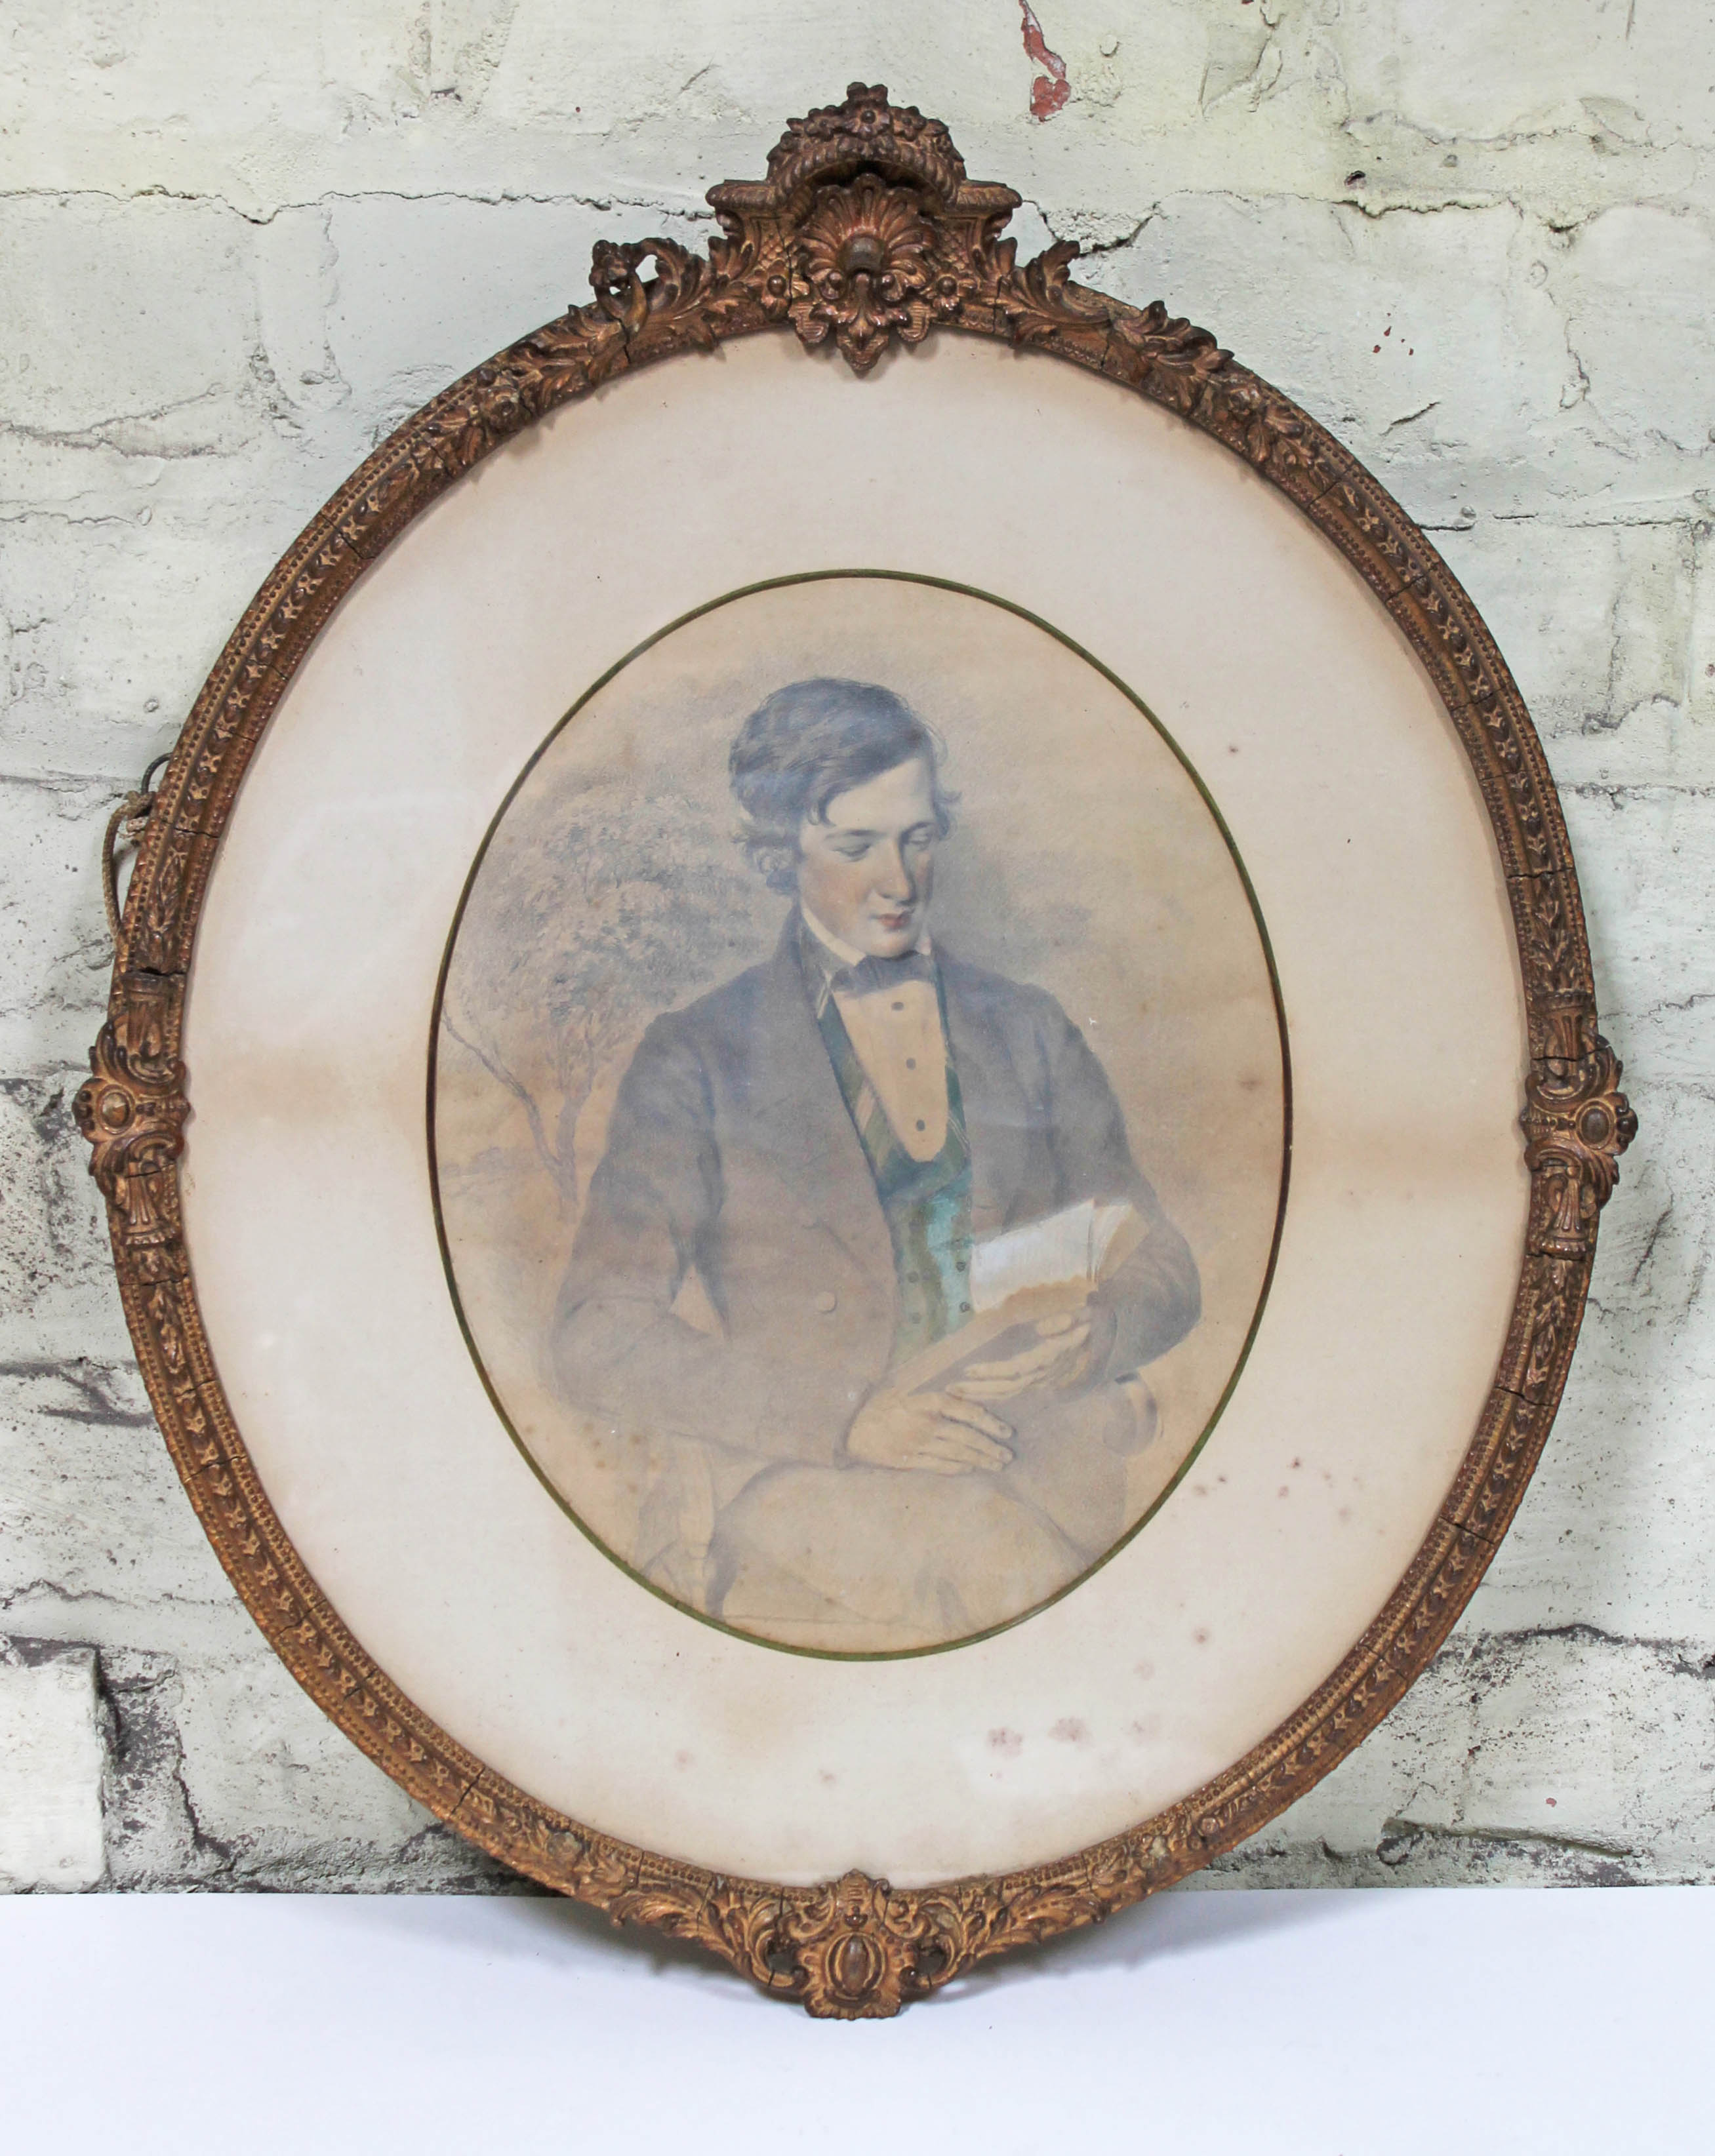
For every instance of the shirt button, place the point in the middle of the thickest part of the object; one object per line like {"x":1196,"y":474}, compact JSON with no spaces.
{"x":827,"y":1300}
{"x":911,"y":1063}
{"x":965,"y":1306}
{"x":921,"y":1125}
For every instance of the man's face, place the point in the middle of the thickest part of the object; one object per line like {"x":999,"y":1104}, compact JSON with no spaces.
{"x":867,"y":872}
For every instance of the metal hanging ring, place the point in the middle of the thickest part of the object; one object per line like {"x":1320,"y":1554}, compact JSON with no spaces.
{"x":125,"y":827}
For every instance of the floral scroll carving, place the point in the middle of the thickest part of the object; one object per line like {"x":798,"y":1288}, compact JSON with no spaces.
{"x":866,"y":234}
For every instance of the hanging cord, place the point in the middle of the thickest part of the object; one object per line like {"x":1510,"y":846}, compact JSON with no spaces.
{"x":125,"y":828}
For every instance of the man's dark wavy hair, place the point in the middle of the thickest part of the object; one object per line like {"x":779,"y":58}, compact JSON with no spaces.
{"x":814,"y":740}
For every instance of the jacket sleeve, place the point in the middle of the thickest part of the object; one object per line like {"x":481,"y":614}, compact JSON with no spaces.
{"x":649,"y":1219}
{"x":1155,"y":1296}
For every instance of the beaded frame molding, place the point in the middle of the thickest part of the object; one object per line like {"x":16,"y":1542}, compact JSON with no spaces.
{"x":865,"y":230}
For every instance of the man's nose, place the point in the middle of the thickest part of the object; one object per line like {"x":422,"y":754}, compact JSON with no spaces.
{"x":895,"y":881}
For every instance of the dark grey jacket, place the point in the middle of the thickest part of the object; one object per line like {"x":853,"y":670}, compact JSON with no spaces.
{"x":730,"y":1153}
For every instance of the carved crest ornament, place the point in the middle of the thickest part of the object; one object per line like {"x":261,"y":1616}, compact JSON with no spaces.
{"x":864,"y":232}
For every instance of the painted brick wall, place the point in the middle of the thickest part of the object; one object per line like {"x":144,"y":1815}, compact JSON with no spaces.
{"x":1476,"y":237}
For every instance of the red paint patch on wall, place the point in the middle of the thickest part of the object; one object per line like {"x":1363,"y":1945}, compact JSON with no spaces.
{"x":1049,"y":91}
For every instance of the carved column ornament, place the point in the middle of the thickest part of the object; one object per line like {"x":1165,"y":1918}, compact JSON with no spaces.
{"x":1577,"y":1123}
{"x":132,"y":1109}
{"x":865,"y":235}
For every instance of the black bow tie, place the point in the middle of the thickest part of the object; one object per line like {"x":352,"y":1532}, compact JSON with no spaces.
{"x":870,"y":975}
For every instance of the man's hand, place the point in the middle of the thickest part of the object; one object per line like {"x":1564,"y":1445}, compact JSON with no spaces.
{"x":1061,"y":1359}
{"x":932,"y":1433}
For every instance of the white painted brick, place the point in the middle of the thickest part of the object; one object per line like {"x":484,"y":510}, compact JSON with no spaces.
{"x":57,"y":1298}
{"x":1532,"y":67}
{"x":260,"y":1757}
{"x":1563,"y":1756}
{"x":1595,"y":622}
{"x":53,"y":942}
{"x":1598,"y":1742}
{"x":308,"y":68}
{"x":473,"y":95}
{"x":100,"y":1536}
{"x":51,"y":1762}
{"x":1645,"y":856}
{"x":92,"y":618}
{"x":426,"y":288}
{"x":161,"y":286}
{"x":296,"y":268}
{"x":1638,"y":285}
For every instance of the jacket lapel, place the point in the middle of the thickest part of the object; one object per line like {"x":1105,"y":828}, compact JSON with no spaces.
{"x":804,"y":1128}
{"x":997,"y":1111}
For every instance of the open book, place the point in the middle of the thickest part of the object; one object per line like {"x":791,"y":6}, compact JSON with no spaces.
{"x":1044,"y":1269}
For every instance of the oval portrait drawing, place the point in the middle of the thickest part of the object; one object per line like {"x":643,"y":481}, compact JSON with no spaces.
{"x":860,"y":1113}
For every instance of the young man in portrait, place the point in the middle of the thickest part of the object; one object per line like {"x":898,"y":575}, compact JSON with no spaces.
{"x":802,"y":1167}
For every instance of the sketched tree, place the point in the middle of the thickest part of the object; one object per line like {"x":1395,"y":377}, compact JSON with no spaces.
{"x":595,"y":907}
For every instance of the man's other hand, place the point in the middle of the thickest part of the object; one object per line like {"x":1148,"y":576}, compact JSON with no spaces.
{"x":1059,"y":1358}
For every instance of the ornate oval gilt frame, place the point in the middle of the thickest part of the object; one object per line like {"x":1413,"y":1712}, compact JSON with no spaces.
{"x":864,"y":230}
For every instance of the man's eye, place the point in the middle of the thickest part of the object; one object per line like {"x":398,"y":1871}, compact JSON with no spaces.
{"x":851,"y":853}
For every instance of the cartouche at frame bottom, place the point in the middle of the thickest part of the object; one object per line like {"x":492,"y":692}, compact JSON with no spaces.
{"x":865,"y":232}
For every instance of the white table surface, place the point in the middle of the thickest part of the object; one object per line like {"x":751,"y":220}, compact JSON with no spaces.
{"x":1353,"y":2023}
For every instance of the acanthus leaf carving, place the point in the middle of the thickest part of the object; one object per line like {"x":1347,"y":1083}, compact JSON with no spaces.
{"x":682,"y":302}
{"x":1042,"y":304}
